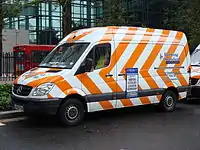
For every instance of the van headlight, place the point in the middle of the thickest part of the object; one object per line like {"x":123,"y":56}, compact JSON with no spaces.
{"x":43,"y":89}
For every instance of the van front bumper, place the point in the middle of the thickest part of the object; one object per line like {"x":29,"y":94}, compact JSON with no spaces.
{"x":38,"y":106}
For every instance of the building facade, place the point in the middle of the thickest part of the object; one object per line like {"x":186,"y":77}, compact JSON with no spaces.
{"x":44,"y":22}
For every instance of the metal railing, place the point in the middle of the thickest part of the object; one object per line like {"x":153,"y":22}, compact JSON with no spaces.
{"x":11,"y":66}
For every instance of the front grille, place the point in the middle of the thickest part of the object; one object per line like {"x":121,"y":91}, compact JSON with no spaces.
{"x":22,"y":90}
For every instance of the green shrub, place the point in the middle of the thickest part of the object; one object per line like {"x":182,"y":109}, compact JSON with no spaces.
{"x":5,"y":97}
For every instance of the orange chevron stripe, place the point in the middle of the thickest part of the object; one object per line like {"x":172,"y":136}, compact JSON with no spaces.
{"x":137,"y":52}
{"x":49,"y":96}
{"x":106,"y":105}
{"x":126,"y":102}
{"x":145,"y":68}
{"x":109,"y":34}
{"x":89,"y":84}
{"x":85,"y":34}
{"x":147,"y":101}
{"x":70,"y":39}
{"x":183,"y":56}
{"x":159,"y":97}
{"x":37,"y":82}
{"x":63,"y":85}
{"x":71,"y":91}
{"x":93,"y":89}
{"x":163,"y":64}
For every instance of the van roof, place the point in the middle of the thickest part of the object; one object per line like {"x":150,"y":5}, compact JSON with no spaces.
{"x":123,"y":33}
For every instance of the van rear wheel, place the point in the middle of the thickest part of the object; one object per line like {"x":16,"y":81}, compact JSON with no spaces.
{"x":168,"y":101}
{"x":71,"y":112}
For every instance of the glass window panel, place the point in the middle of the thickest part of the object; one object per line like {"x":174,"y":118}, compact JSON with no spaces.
{"x":44,"y":13}
{"x":32,"y":24}
{"x":55,"y":13}
{"x":32,"y":38}
{"x":45,"y":21}
{"x":44,"y":6}
{"x":22,"y":24}
{"x":56,"y":18}
{"x":56,"y":23}
{"x":77,"y":9}
{"x":76,"y":15}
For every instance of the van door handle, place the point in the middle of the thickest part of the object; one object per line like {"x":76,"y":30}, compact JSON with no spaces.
{"x":109,"y":75}
{"x":121,"y":74}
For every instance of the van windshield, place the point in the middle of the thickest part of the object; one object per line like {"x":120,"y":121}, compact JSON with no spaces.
{"x":64,"y":56}
{"x":195,"y":58}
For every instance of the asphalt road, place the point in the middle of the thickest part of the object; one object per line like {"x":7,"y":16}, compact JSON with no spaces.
{"x":139,"y":128}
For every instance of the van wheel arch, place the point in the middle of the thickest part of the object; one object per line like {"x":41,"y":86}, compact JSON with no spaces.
{"x":169,"y":99}
{"x":72,"y":110}
{"x":78,"y":97}
{"x":173,"y":89}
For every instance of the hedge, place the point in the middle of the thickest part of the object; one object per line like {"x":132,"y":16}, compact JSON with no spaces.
{"x":5,"y":97}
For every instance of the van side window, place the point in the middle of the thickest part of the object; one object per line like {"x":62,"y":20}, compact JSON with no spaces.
{"x":99,"y":57}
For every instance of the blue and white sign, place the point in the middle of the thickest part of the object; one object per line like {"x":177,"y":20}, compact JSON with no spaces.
{"x":132,"y":82}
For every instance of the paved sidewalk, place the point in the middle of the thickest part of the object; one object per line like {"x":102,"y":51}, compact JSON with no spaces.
{"x":12,"y":113}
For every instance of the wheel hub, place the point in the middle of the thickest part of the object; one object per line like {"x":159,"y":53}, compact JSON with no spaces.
{"x":72,"y":112}
{"x":169,"y":101}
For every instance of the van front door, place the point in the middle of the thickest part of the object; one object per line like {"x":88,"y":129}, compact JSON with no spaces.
{"x":98,"y":77}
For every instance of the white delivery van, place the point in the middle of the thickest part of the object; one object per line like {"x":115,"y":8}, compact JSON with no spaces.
{"x":195,"y":74}
{"x":105,"y":68}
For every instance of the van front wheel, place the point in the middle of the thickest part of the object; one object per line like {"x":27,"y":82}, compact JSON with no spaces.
{"x":168,"y":101}
{"x":71,"y":112}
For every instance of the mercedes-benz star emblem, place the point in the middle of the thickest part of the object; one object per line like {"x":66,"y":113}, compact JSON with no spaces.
{"x":19,"y":90}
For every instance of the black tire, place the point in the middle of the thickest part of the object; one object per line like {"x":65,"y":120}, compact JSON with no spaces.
{"x":168,"y":101}
{"x":71,"y":112}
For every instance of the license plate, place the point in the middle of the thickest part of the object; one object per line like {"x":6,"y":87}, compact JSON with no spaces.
{"x":19,"y":107}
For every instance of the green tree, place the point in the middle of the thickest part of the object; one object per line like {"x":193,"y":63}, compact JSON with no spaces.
{"x":113,"y":13}
{"x":66,"y":16}
{"x":183,"y":15}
